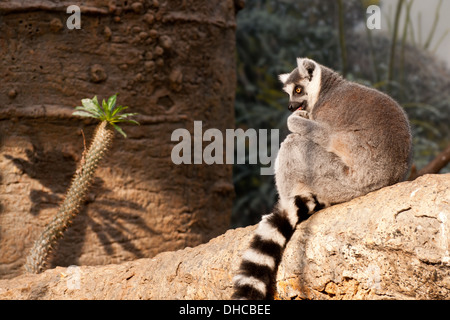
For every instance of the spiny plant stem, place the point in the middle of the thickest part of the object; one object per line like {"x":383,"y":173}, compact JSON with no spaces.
{"x":74,"y":199}
{"x":109,"y":114}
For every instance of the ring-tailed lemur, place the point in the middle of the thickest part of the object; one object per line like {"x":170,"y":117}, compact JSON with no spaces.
{"x":346,"y":140}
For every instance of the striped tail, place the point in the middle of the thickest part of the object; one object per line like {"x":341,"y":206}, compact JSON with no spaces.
{"x":256,"y":276}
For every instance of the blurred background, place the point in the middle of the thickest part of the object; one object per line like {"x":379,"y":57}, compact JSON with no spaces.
{"x":408,"y":58}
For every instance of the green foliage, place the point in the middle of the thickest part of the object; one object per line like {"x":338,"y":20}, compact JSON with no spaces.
{"x":108,"y":112}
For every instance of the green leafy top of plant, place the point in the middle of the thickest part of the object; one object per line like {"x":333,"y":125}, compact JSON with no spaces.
{"x":108,"y":112}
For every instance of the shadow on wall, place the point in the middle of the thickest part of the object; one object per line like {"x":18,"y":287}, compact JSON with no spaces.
{"x":108,"y":218}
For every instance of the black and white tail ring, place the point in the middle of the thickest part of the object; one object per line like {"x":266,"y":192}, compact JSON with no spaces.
{"x":256,"y":276}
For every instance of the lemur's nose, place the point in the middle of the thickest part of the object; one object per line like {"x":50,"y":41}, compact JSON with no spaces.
{"x":294,"y":106}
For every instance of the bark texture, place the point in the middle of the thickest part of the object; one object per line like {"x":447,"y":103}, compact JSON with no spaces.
{"x":171,"y":61}
{"x":390,"y":244}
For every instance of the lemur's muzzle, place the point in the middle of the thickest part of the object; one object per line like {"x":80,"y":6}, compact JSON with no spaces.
{"x":293,"y":106}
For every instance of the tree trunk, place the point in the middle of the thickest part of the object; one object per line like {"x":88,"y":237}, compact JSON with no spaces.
{"x":390,"y":244}
{"x":171,"y":62}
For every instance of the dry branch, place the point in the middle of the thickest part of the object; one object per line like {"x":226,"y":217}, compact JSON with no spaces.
{"x":436,"y":165}
{"x":390,"y":244}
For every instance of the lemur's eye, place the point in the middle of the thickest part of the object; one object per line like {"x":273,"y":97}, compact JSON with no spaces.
{"x":298,"y":89}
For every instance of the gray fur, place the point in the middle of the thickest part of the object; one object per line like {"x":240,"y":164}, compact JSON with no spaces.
{"x":354,"y":140}
{"x":346,"y":140}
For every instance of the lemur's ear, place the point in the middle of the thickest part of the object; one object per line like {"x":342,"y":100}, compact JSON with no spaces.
{"x":306,"y":67}
{"x":309,"y":66}
{"x":283,"y":77}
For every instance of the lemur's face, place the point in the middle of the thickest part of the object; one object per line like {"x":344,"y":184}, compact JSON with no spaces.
{"x":302,"y":85}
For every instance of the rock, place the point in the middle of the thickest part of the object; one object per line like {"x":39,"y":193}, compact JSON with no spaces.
{"x":390,"y":244}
